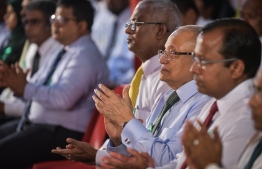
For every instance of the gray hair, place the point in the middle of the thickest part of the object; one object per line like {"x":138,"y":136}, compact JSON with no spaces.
{"x":167,"y":10}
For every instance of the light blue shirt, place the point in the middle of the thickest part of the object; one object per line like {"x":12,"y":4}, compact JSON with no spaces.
{"x":163,"y":148}
{"x":67,"y":101}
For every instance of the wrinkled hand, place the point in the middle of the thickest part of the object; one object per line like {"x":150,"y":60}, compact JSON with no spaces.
{"x":200,"y":147}
{"x":114,"y":131}
{"x":112,"y":106}
{"x":13,"y":77}
{"x":118,"y":161}
{"x":77,"y":151}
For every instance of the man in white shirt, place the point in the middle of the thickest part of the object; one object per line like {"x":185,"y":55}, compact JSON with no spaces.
{"x":208,"y":152}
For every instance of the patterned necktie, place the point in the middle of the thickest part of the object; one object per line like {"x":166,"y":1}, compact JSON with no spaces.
{"x":134,"y":88}
{"x":254,"y":156}
{"x":26,"y":112}
{"x":207,"y":123}
{"x":172,"y":99}
{"x":35,"y":63}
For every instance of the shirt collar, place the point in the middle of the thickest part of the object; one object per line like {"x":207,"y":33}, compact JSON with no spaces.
{"x":45,"y":46}
{"x":240,"y":92}
{"x":150,"y":65}
{"x":79,"y":42}
{"x":185,"y":92}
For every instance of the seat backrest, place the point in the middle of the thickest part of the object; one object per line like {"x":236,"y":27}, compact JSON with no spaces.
{"x":99,"y":133}
{"x":91,"y":126}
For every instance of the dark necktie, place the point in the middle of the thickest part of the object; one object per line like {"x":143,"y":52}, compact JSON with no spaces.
{"x":25,"y":115}
{"x":207,"y":123}
{"x":254,"y":156}
{"x":112,"y":41}
{"x":172,"y":99}
{"x":35,"y":63}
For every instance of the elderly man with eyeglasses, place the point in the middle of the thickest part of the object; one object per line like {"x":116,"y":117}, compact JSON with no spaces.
{"x":59,"y":96}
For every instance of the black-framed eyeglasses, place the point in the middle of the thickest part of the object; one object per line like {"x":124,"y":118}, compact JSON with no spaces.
{"x":202,"y":63}
{"x":133,"y":25}
{"x":60,"y":19}
{"x":171,"y":55}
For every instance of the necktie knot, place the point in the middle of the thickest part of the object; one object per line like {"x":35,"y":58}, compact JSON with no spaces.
{"x":171,"y":100}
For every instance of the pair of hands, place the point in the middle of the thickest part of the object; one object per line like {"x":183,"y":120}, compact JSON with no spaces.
{"x":77,"y":151}
{"x":116,"y":109}
{"x":13,"y":77}
{"x":200,"y":146}
{"x":84,"y":152}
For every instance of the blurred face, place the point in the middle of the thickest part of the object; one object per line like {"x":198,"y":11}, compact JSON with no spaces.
{"x":175,"y":71}
{"x":10,"y":18}
{"x":65,"y":27}
{"x":143,"y":37}
{"x":211,"y":79}
{"x":24,"y":4}
{"x":255,"y":101}
{"x":36,"y":28}
{"x":117,"y":6}
{"x":252,"y":13}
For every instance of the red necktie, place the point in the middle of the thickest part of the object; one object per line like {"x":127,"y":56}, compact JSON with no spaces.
{"x":207,"y":123}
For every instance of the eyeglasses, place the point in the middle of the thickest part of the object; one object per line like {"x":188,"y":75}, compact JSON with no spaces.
{"x":133,"y":25}
{"x":60,"y":19}
{"x":171,"y":55}
{"x":34,"y":21}
{"x":202,"y":63}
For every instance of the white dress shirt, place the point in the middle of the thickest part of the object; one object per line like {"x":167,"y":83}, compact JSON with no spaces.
{"x":234,"y":123}
{"x":120,"y":61}
{"x":151,"y":89}
{"x":14,"y":106}
{"x":67,"y":100}
{"x":248,"y":151}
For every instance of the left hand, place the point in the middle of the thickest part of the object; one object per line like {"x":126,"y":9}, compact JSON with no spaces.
{"x":112,"y":106}
{"x":114,"y":131}
{"x":200,"y":147}
{"x":13,"y":77}
{"x":118,"y":161}
{"x":77,"y":151}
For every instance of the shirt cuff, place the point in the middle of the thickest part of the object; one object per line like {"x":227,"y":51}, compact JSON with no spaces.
{"x":213,"y":166}
{"x":133,"y":131}
{"x":121,"y":149}
{"x":99,"y":155}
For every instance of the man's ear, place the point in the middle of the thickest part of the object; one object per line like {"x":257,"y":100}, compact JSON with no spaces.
{"x":83,"y":26}
{"x":162,"y":31}
{"x":237,"y":68}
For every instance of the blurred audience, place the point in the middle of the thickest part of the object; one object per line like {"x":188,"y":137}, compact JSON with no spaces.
{"x":38,"y":31}
{"x":4,"y":33}
{"x":59,"y":102}
{"x":12,"y":51}
{"x":108,"y":33}
{"x":251,"y":12}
